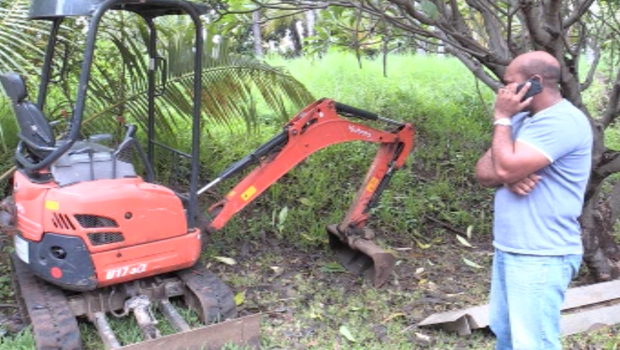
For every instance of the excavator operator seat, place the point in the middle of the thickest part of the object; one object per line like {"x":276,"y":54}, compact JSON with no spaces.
{"x":35,"y":130}
{"x":86,"y":160}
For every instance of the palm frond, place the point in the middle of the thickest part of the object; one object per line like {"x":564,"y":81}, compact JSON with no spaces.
{"x":20,"y":39}
{"x":231,"y":84}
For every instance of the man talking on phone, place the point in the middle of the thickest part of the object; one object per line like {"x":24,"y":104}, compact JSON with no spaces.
{"x":539,"y":161}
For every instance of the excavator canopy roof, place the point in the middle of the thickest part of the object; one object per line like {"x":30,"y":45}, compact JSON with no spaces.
{"x":50,"y":9}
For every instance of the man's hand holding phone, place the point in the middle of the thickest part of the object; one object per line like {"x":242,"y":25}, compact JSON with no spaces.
{"x":514,"y":98}
{"x":535,"y":88}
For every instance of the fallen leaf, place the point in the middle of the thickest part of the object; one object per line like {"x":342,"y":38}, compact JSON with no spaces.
{"x":333,"y":267}
{"x":422,"y":336}
{"x":419,"y":270}
{"x":403,"y":249}
{"x":305,"y":201}
{"x":314,"y":315}
{"x":422,"y":245}
{"x":470,"y":228}
{"x":347,"y":334}
{"x":277,"y":271}
{"x":463,"y":241}
{"x":282,"y":216}
{"x":471,"y":263}
{"x":392,"y":316}
{"x":225,"y":260}
{"x":240,"y":298}
{"x":308,"y":238}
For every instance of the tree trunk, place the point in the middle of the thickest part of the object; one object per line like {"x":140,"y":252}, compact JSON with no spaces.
{"x":310,"y":21}
{"x":601,"y":253}
{"x":296,"y":37}
{"x":258,"y":39}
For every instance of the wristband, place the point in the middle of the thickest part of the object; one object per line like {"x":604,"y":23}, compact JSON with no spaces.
{"x":503,"y":122}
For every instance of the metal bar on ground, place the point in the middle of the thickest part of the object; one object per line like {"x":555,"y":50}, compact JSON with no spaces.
{"x":173,"y":316}
{"x":105,"y":331}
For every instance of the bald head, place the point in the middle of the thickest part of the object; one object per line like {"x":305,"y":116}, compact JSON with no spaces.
{"x":537,"y":63}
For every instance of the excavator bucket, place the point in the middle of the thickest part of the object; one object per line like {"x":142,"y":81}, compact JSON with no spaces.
{"x":360,"y":255}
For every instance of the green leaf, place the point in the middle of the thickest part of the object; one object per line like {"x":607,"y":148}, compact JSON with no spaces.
{"x":423,"y":245}
{"x":333,"y":267}
{"x":305,"y":201}
{"x":240,"y":298}
{"x":282,"y":216}
{"x":347,"y":334}
{"x":430,"y":9}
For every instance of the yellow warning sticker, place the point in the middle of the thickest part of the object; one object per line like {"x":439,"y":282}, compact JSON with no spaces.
{"x":372,"y":184}
{"x":247,"y":194}
{"x":52,"y":205}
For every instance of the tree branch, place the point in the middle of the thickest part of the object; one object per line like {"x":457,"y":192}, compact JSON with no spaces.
{"x":613,"y":109}
{"x":597,"y":57}
{"x":493,"y":27}
{"x":533,"y":22}
{"x":614,"y":202}
{"x":475,"y":68}
{"x":610,"y":164}
{"x":582,"y":7}
{"x":409,"y":7}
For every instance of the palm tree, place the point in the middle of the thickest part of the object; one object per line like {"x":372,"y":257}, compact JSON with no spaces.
{"x":20,"y":43}
{"x":231,"y":84}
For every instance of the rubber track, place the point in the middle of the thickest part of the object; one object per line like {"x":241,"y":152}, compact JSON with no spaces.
{"x":53,"y":323}
{"x":216,"y":297}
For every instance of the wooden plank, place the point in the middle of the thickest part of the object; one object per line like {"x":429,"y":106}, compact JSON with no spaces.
{"x":592,"y":294}
{"x":590,"y":319}
{"x":463,"y":321}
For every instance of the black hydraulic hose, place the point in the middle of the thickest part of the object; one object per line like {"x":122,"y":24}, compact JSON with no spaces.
{"x":360,"y":113}
{"x":266,"y":148}
{"x":384,"y":182}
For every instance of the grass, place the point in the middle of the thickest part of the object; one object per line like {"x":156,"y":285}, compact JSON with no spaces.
{"x":284,"y":267}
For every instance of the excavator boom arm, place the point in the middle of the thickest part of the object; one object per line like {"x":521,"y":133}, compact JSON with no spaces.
{"x":314,"y":128}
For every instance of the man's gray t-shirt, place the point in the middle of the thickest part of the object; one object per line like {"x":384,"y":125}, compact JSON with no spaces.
{"x":544,"y":222}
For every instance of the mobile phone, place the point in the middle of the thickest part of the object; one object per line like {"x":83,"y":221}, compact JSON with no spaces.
{"x":535,"y":88}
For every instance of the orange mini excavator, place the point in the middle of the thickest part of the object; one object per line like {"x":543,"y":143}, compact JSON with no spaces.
{"x":96,"y":233}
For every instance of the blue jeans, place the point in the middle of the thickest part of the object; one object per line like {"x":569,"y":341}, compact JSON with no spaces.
{"x":527,"y":292}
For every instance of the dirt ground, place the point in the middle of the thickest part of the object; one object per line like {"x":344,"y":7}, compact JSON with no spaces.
{"x":307,"y":298}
